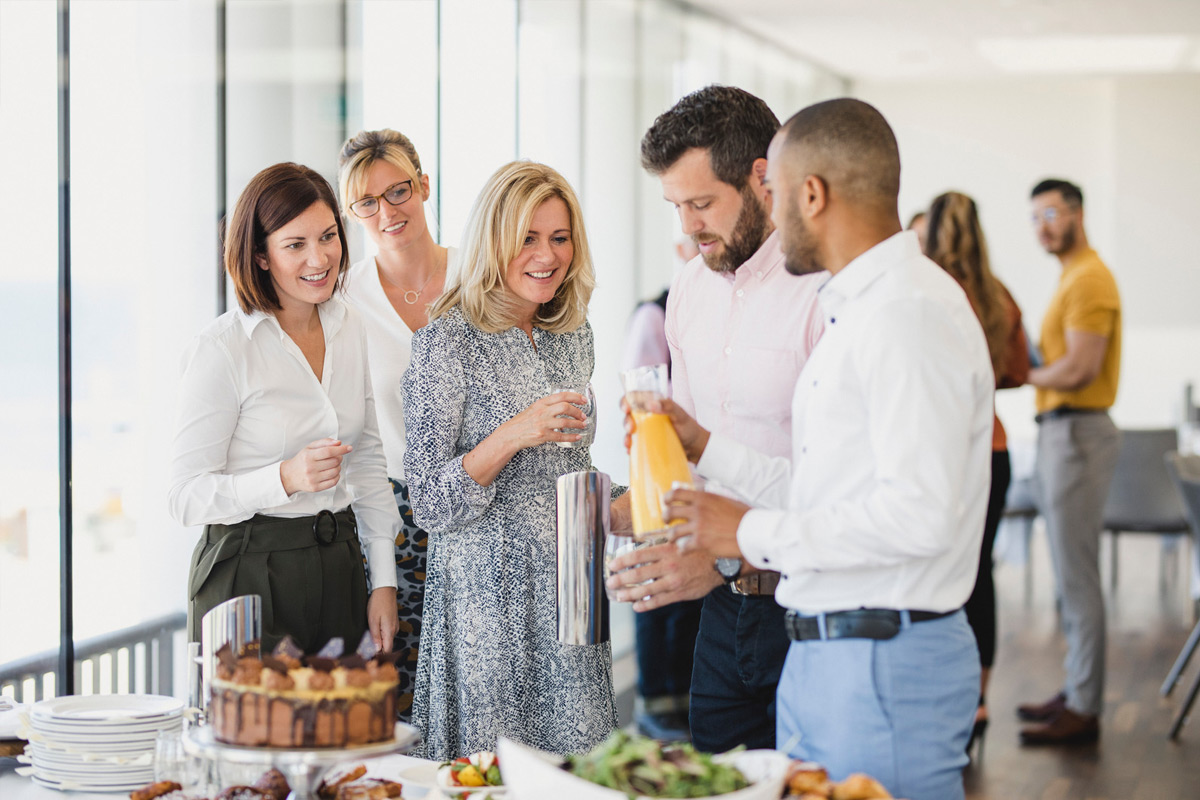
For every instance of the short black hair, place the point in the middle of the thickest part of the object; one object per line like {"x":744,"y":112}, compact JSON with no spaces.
{"x":1072,"y":195}
{"x":734,"y":126}
{"x":851,"y":146}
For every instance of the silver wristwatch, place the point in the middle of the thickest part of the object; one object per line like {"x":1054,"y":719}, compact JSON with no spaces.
{"x":728,"y":568}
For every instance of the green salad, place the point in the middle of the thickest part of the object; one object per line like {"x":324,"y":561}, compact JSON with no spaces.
{"x":640,"y":766}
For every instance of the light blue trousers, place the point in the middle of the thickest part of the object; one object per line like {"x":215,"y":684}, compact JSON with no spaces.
{"x":899,"y":709}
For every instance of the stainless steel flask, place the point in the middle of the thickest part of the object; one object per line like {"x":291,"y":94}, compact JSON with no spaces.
{"x":236,"y":622}
{"x":583,"y":523}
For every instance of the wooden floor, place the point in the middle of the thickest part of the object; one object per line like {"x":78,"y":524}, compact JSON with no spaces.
{"x":1147,"y":627}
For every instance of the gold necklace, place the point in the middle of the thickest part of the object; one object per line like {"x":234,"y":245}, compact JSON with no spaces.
{"x":416,"y":295}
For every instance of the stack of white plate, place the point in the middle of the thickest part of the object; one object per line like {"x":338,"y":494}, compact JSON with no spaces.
{"x":99,"y":743}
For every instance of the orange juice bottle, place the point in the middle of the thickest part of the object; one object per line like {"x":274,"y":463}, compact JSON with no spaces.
{"x":656,"y":461}
{"x":656,"y":457}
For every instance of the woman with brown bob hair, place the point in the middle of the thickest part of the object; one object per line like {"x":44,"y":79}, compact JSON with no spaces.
{"x":483,"y":422}
{"x":954,"y":240}
{"x":276,"y":433}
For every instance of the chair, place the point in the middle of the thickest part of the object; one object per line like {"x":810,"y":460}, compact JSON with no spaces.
{"x":1020,"y":508}
{"x":1142,"y":497}
{"x":1185,"y":472}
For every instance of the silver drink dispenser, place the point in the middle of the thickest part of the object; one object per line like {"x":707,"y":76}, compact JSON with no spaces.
{"x":236,"y":622}
{"x":583,"y":523}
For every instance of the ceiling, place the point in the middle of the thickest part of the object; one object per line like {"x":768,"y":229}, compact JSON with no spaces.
{"x":906,"y":40}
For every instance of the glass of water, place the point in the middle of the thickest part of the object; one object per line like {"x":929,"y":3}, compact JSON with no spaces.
{"x":616,"y":544}
{"x":173,"y":763}
{"x":589,"y":410}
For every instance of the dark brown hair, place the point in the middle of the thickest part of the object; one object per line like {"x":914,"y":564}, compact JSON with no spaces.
{"x":1072,"y":195}
{"x":734,"y":126}
{"x":272,"y":199}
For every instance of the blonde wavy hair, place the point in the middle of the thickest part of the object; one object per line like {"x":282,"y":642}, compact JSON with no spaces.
{"x":955,"y":242}
{"x":363,"y":149}
{"x":494,"y":236}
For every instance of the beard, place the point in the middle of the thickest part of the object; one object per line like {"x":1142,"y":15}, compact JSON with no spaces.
{"x":1064,"y":245}
{"x":749,"y":232}
{"x":801,"y":255}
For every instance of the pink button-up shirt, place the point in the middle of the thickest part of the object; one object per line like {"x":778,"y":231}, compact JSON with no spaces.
{"x":738,"y":342}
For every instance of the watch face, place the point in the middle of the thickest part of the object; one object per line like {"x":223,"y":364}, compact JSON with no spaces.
{"x":729,"y":567}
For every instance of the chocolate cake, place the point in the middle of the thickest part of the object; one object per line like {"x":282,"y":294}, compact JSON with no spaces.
{"x":290,"y":700}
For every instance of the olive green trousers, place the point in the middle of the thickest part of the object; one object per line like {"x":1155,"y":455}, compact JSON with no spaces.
{"x":308,"y":571}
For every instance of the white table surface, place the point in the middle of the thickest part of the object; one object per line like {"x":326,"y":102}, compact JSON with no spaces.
{"x":17,"y":787}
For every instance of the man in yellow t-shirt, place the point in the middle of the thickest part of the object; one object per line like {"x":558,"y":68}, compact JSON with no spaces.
{"x":1076,"y":452}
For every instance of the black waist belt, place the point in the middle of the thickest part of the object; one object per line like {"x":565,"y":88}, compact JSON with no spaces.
{"x":860,"y":623}
{"x":1066,"y":411}
{"x":265,"y":534}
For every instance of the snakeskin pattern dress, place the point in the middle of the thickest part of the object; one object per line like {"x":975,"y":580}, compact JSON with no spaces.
{"x":490,"y":661}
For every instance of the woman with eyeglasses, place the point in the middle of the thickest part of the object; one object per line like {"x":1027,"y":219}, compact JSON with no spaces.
{"x":277,"y":450}
{"x":384,"y":190}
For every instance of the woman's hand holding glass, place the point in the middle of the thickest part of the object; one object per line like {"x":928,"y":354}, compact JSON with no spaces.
{"x":315,"y":468}
{"x":589,"y":411}
{"x":557,"y":417}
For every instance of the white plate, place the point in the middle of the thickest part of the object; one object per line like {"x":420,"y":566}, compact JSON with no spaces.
{"x":50,"y":730}
{"x":112,"y":756}
{"x":98,"y":748}
{"x":97,"y":778}
{"x":425,"y":776}
{"x":101,"y":737}
{"x":99,"y":765}
{"x":107,"y":708}
{"x":73,"y":786}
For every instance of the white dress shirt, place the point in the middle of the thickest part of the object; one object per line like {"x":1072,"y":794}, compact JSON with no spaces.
{"x":738,"y":342}
{"x":883,"y":503}
{"x":248,"y":400}
{"x":389,"y":349}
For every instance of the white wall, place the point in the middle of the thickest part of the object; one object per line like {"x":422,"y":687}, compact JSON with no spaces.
{"x":1131,"y":145}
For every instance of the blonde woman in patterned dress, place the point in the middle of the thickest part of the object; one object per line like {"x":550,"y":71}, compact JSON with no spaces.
{"x":482,"y":460}
{"x":384,"y":190}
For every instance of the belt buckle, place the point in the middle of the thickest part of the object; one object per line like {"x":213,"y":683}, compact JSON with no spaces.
{"x":746,"y":586}
{"x":317,"y":528}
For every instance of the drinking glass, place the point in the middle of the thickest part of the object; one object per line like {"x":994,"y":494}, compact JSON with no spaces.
{"x":616,"y":544}
{"x":589,"y":410}
{"x":173,"y":763}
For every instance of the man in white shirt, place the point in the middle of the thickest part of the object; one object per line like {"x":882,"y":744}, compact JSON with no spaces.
{"x":875,"y":524}
{"x":739,"y":329}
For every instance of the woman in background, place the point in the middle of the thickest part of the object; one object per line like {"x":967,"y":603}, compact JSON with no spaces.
{"x":276,"y":435}
{"x":955,"y":241}
{"x":482,"y":460}
{"x":384,"y":189}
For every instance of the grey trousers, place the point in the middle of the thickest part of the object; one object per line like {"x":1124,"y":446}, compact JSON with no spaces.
{"x":1076,"y":457}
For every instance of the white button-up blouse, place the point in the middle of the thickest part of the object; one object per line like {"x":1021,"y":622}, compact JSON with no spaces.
{"x":248,"y":400}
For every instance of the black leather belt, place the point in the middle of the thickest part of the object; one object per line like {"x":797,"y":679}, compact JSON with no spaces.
{"x":860,"y":623}
{"x":1066,"y":411}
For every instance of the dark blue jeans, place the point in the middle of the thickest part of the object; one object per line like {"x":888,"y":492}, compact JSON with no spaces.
{"x":739,"y":656}
{"x":666,"y":639}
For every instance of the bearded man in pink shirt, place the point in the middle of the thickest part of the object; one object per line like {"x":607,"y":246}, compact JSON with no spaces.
{"x":739,"y":329}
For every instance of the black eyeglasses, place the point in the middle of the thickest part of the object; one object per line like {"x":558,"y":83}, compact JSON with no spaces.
{"x":396,"y":194}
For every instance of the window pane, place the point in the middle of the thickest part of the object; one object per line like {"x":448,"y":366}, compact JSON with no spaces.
{"x":143,"y":237}
{"x":29,"y":552}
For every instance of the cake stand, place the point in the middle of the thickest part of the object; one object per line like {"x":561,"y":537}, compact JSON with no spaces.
{"x":302,"y":768}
